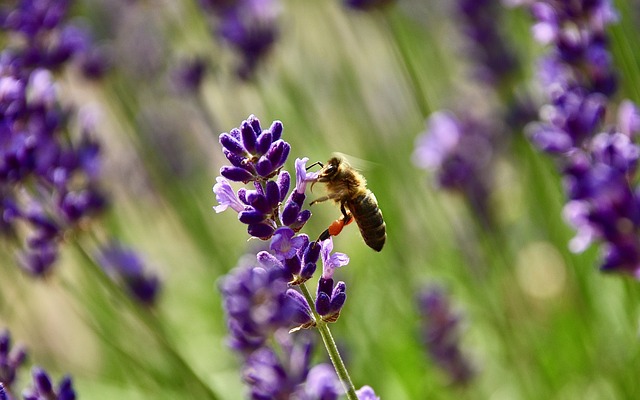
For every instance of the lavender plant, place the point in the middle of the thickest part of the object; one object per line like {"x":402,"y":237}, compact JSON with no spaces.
{"x":350,"y":81}
{"x":258,"y":156}
{"x":598,"y":160}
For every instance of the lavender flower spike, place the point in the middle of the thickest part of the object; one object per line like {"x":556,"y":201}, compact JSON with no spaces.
{"x":599,"y":162}
{"x":440,"y":329}
{"x":125,"y":266}
{"x":257,"y":155}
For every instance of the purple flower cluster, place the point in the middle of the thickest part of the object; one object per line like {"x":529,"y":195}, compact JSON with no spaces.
{"x":599,"y":163}
{"x":494,"y":60}
{"x":10,"y":360}
{"x":48,"y":174}
{"x":257,"y":304}
{"x":43,"y":388}
{"x":440,"y":330}
{"x":460,"y":152}
{"x":249,"y":26}
{"x":257,"y":156}
{"x":47,"y":41}
{"x":261,"y":310}
{"x":125,"y":266}
{"x":288,"y":375}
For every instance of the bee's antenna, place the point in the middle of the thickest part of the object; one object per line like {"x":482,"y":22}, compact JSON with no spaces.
{"x":313,"y":165}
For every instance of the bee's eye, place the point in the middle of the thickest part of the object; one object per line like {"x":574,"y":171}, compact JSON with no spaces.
{"x":330,"y":169}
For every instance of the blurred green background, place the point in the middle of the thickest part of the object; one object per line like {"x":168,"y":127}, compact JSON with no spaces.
{"x":538,"y":321}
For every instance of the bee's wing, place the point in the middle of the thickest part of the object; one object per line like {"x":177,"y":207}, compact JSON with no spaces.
{"x":359,"y":164}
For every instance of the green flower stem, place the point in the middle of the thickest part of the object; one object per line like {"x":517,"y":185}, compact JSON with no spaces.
{"x":332,"y":349}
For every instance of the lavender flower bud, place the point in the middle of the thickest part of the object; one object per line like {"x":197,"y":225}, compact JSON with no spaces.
{"x":302,"y":315}
{"x":284,"y":180}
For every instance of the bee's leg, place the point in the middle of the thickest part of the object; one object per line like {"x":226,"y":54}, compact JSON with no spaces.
{"x":321,"y":199}
{"x":336,"y":226}
{"x":345,"y":214}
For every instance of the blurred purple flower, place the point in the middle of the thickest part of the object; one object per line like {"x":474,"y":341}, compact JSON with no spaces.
{"x":11,"y":358}
{"x":43,"y":388}
{"x":322,"y":384}
{"x":441,"y":335}
{"x":48,"y":172}
{"x":460,"y":152}
{"x":366,"y":393}
{"x":494,"y":59}
{"x":188,"y":75}
{"x":599,"y":164}
{"x":256,"y":304}
{"x":249,"y":26}
{"x":272,"y":375}
{"x":125,"y":266}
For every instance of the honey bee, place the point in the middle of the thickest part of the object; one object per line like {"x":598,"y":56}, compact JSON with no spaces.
{"x":348,"y":188}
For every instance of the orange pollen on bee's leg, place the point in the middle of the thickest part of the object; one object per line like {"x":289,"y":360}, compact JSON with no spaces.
{"x":336,"y":227}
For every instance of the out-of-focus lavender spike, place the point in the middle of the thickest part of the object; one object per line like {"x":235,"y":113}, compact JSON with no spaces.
{"x":440,"y":329}
{"x":126,"y":267}
{"x":599,"y":163}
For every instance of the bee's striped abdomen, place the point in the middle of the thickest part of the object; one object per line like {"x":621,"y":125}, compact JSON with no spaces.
{"x":368,"y":216}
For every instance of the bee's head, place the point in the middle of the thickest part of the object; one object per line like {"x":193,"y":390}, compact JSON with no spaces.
{"x":330,"y":170}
